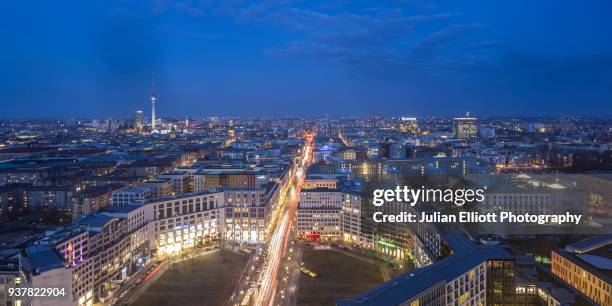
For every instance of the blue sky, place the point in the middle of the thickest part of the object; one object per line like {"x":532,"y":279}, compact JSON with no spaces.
{"x":276,"y":58}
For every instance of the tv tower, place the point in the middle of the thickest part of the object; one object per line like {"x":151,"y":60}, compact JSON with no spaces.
{"x":153,"y":100}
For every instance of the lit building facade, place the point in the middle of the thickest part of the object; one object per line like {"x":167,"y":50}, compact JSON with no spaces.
{"x":138,"y":123}
{"x":585,"y":266}
{"x":246,"y":215}
{"x":319,"y":182}
{"x":465,"y":128}
{"x":330,"y":215}
{"x":88,"y":258}
{"x":183,"y":222}
{"x":408,"y":125}
{"x":319,"y":214}
{"x":95,"y":254}
{"x":351,"y":218}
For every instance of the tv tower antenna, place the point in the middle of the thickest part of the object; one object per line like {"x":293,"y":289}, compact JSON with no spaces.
{"x":153,"y":101}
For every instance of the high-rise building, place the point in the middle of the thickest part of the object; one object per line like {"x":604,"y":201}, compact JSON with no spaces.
{"x":408,"y":125}
{"x":138,"y":120}
{"x":465,"y":127}
{"x":230,"y":129}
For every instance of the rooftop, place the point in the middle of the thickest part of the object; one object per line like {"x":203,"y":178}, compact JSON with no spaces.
{"x":466,"y":255}
{"x":120,"y":209}
{"x":41,"y":258}
{"x":94,"y":220}
{"x":592,"y":254}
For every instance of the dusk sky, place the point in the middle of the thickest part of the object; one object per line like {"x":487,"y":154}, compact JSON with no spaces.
{"x":276,"y":58}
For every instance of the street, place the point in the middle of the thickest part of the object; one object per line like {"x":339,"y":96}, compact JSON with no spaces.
{"x":266,"y":263}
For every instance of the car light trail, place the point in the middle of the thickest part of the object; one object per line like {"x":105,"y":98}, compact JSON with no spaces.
{"x":279,"y":239}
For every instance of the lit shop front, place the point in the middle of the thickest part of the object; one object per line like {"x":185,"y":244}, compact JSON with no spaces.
{"x":392,"y":249}
{"x":248,"y":230}
{"x":184,"y":237}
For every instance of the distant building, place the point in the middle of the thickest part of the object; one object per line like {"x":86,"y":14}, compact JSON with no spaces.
{"x":138,"y":121}
{"x":385,"y":147}
{"x":323,"y":168}
{"x":465,"y":127}
{"x":408,"y":125}
{"x":22,"y":175}
{"x":531,"y":194}
{"x":21,"y":152}
{"x":181,"y":181}
{"x":352,"y":153}
{"x":598,"y":188}
{"x":48,"y":196}
{"x":488,"y":132}
{"x":11,"y":197}
{"x":124,"y":196}
{"x":159,"y":187}
{"x":316,"y":182}
{"x":229,"y":179}
{"x":92,"y":199}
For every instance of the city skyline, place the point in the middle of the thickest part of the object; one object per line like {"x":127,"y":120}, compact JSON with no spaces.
{"x":286,"y":211}
{"x":306,"y":153}
{"x":306,"y":59}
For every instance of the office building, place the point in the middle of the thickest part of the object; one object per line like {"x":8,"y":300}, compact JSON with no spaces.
{"x":247,"y":213}
{"x":319,"y":214}
{"x":472,"y":274}
{"x":465,"y":127}
{"x":316,"y":182}
{"x":184,"y":221}
{"x":408,"y":125}
{"x":138,"y":121}
{"x":586,"y":266}
{"x":329,"y":214}
{"x":229,"y":179}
